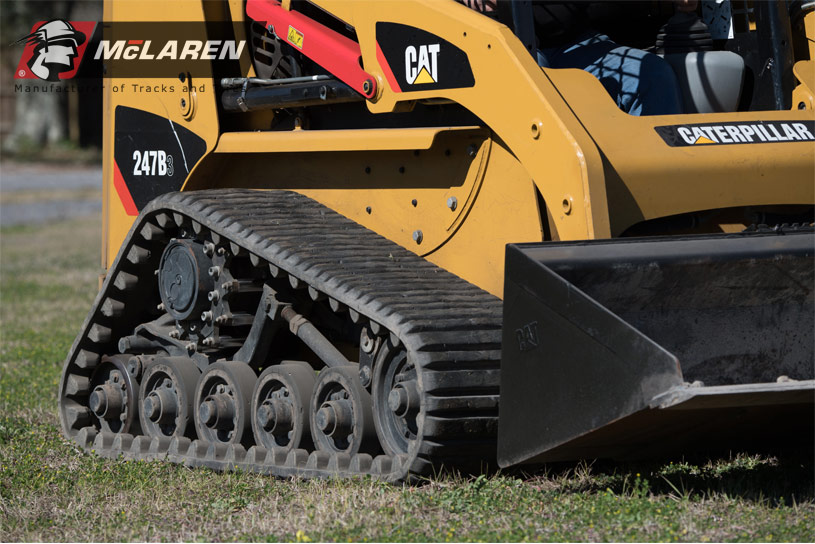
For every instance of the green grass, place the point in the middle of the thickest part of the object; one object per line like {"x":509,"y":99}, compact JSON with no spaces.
{"x":51,"y":491}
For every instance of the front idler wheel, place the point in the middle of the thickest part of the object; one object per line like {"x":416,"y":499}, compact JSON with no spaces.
{"x":280,"y":406}
{"x":166,"y":397}
{"x":223,"y":403}
{"x":397,"y":400}
{"x":341,"y":418}
{"x":114,"y":396}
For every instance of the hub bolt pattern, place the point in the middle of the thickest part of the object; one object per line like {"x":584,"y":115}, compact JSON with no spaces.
{"x":222,"y":400}
{"x":280,"y":403}
{"x":341,"y":418}
{"x":167,"y":391}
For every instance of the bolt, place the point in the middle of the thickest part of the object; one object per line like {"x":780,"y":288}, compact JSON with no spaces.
{"x":191,"y":347}
{"x":134,"y":366}
{"x":367,"y":86}
{"x":404,"y":398}
{"x":152,"y":407}
{"x":368,"y":210}
{"x":452,"y":203}
{"x":567,"y":204}
{"x":326,"y":420}
{"x":537,"y":124}
{"x":206,"y":316}
{"x":213,"y":296}
{"x":214,"y":271}
{"x":160,"y":307}
{"x":209,"y":249}
{"x":174,"y":333}
{"x":275,"y":415}
{"x":183,"y":103}
{"x":266,"y":416}
{"x":365,"y":375}
{"x":221,"y":251}
{"x":98,"y":403}
{"x":270,"y":28}
{"x":414,"y":202}
{"x":417,"y":236}
{"x":397,"y":400}
{"x":208,"y":341}
{"x":471,"y":150}
{"x":367,"y":344}
{"x":208,"y":413}
{"x":802,"y":106}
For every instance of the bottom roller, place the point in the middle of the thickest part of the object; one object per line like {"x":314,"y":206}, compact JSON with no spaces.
{"x":640,"y":347}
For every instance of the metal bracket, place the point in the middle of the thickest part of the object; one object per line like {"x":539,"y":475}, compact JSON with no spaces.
{"x":264,"y":327}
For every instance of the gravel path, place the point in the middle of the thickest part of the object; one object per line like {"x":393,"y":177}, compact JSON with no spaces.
{"x":35,"y":178}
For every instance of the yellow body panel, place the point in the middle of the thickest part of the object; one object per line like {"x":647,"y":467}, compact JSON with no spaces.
{"x":199,"y":113}
{"x":647,"y":179}
{"x":550,"y":137}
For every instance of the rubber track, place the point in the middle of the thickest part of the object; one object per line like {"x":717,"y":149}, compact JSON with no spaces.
{"x":451,"y":329}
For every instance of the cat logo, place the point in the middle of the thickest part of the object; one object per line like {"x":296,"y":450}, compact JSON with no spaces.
{"x":422,"y":66}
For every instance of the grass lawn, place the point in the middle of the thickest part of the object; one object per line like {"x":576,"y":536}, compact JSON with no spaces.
{"x":50,"y":491}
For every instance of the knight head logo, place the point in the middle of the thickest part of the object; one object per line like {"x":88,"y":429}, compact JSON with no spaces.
{"x":53,"y":50}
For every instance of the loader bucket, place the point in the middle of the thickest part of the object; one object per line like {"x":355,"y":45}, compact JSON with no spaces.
{"x":630,"y":348}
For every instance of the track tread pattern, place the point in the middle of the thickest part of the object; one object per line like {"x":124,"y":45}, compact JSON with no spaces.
{"x":451,"y":329}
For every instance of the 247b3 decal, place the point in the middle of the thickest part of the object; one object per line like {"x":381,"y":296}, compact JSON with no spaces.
{"x":152,"y":163}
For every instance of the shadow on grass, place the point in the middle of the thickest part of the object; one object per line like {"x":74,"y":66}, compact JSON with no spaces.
{"x":780,"y":478}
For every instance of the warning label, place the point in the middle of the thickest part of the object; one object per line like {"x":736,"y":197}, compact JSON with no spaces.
{"x":295,"y":37}
{"x":758,"y":132}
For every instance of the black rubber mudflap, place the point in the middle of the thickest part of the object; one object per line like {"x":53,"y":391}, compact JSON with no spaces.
{"x":639,"y":346}
{"x":450,"y":329}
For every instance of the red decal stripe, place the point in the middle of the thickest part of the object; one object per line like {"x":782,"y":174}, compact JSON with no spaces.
{"x":124,"y":194}
{"x":383,"y":63}
{"x":135,"y":42}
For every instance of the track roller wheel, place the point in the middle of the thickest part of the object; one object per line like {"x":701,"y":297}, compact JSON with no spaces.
{"x":397,"y":400}
{"x":166,"y":397}
{"x":341,"y":418}
{"x":114,"y":396}
{"x":280,"y":406}
{"x":223,"y":403}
